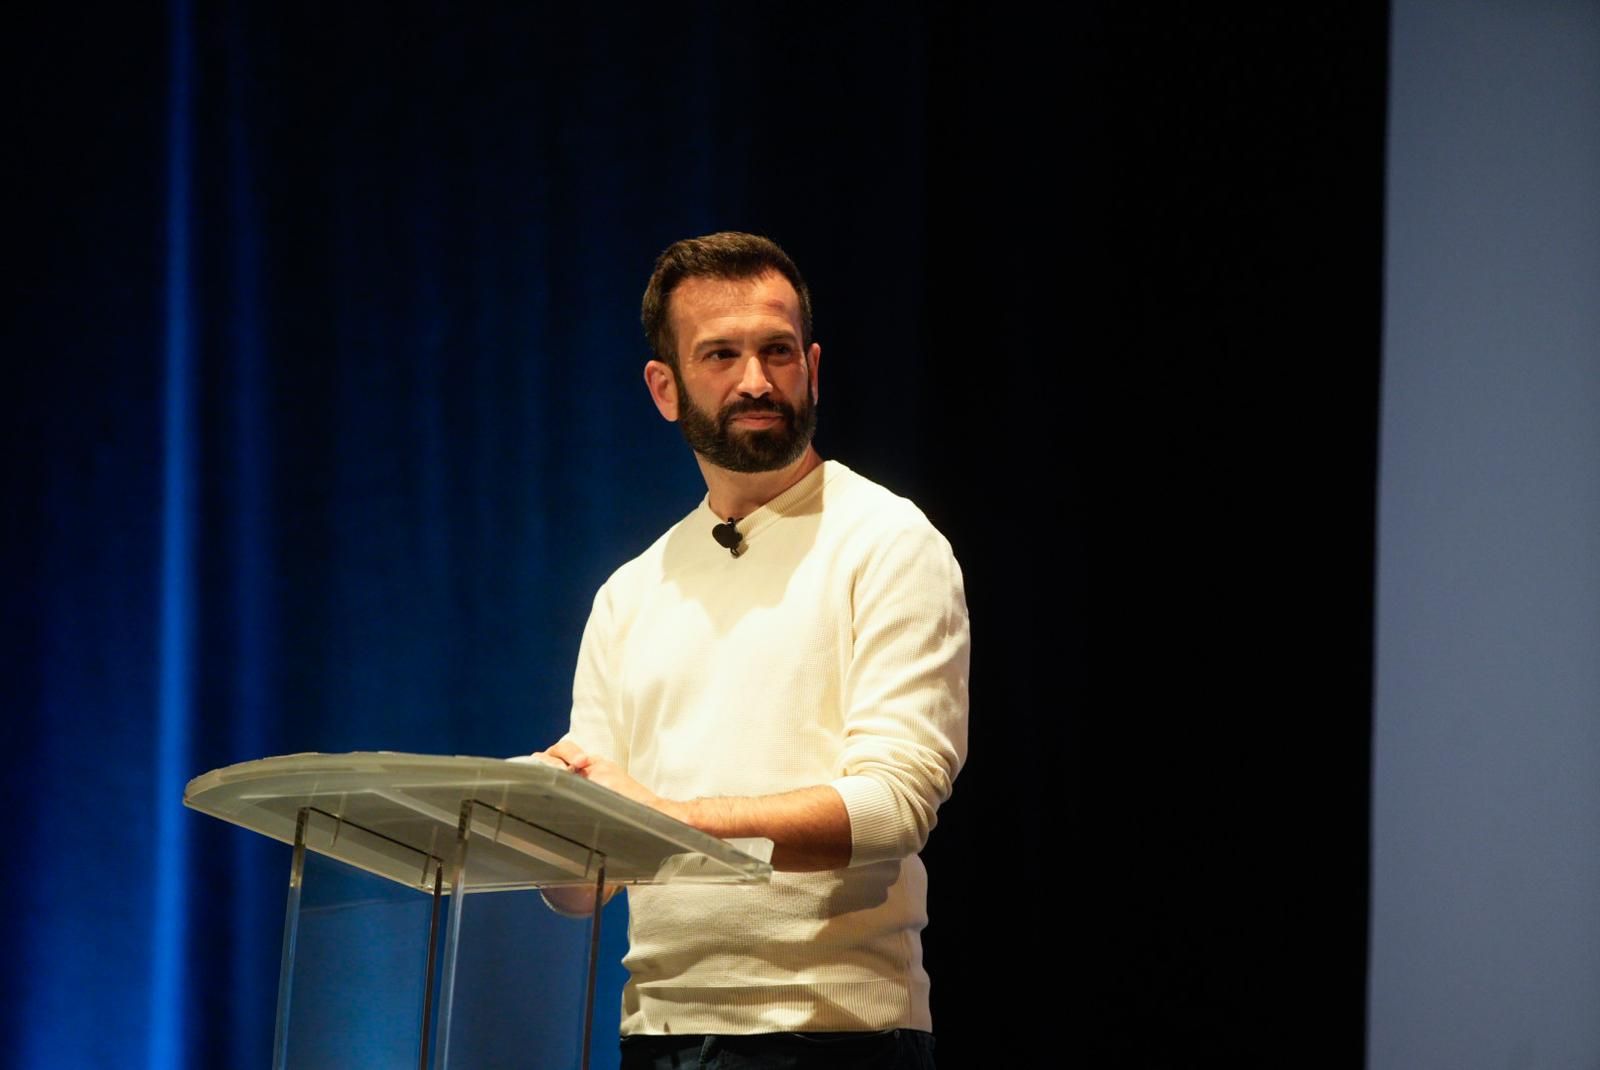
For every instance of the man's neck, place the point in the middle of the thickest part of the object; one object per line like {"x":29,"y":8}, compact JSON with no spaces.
{"x":738,"y":494}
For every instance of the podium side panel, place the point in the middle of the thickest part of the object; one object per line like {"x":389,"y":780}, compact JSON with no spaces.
{"x":520,"y":978}
{"x":358,"y":972}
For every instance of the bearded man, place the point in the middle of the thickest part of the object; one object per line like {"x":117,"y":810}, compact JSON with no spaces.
{"x":789,"y":661}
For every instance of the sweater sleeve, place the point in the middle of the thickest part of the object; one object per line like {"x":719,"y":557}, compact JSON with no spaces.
{"x":594,"y":725}
{"x":905,"y":694}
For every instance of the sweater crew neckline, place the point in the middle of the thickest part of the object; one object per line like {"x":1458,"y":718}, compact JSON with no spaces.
{"x":786,"y":504}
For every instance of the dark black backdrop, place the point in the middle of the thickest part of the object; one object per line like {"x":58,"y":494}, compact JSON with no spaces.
{"x":1173,"y":374}
{"x":1100,"y":291}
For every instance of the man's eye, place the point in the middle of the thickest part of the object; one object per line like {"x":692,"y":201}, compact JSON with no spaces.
{"x":721,"y":354}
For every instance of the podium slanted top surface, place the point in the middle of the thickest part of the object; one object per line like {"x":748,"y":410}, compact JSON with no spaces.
{"x":530,"y":825}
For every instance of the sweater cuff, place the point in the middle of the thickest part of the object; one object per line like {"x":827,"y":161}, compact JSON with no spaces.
{"x":876,"y":824}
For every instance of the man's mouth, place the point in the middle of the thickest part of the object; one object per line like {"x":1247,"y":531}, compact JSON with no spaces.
{"x":758,"y":416}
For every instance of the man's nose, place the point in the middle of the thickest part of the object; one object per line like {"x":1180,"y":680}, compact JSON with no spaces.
{"x":754,"y":383}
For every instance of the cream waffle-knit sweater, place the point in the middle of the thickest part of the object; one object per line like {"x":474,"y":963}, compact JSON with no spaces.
{"x":833,"y":650}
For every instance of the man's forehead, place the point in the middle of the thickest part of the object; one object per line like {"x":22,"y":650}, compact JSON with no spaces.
{"x":701,"y":298}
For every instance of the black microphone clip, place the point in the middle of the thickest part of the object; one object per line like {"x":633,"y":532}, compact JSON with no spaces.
{"x":728,"y":535}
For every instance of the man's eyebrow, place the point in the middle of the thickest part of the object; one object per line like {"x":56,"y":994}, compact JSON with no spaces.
{"x":785,"y":335}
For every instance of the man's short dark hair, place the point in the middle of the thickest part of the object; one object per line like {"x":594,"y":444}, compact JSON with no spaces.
{"x":727,"y":255}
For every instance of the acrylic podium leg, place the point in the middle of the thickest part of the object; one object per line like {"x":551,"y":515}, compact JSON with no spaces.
{"x":291,"y":933}
{"x":593,"y":966}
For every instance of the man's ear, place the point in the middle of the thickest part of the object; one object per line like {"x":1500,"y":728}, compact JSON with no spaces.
{"x":663,"y":387}
{"x":814,"y":358}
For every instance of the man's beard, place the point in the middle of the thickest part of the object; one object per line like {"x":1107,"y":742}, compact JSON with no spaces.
{"x":767,"y":450}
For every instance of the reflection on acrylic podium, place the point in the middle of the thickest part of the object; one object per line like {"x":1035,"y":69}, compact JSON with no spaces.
{"x":394,"y":955}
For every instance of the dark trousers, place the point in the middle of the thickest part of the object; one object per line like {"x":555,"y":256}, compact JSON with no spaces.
{"x":891,"y":1049}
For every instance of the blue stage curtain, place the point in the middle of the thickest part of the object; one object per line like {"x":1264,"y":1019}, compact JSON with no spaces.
{"x":333,"y":389}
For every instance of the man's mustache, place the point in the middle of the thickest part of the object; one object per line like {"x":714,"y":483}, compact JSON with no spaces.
{"x":739,"y":408}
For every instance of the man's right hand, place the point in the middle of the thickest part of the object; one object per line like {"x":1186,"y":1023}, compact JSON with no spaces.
{"x":575,"y":900}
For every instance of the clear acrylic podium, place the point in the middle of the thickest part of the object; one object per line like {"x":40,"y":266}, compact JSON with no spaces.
{"x":388,"y":849}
